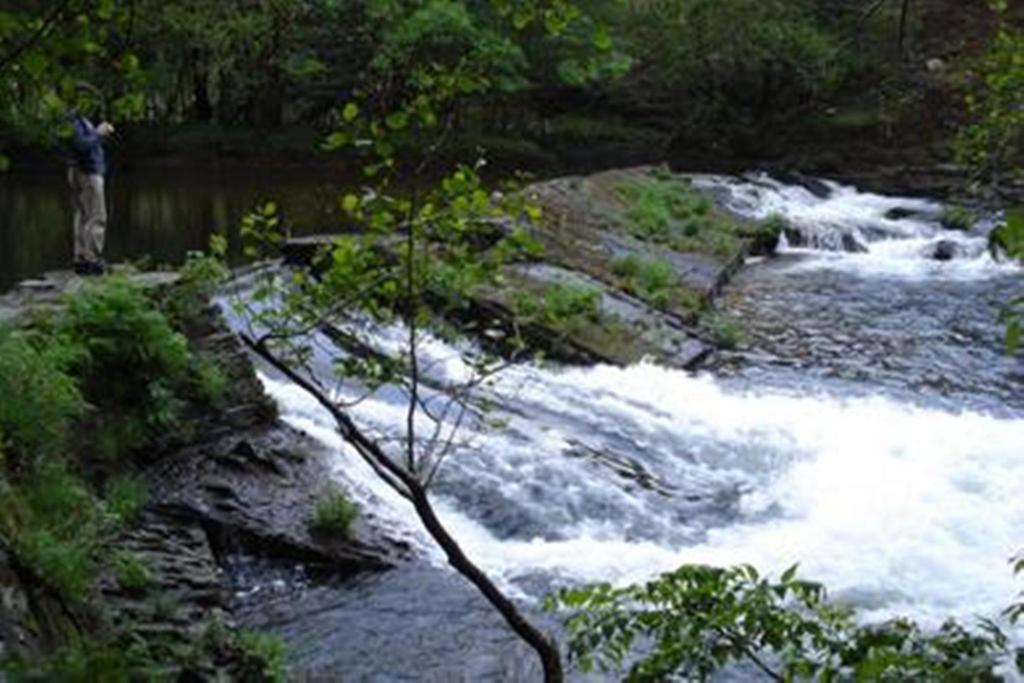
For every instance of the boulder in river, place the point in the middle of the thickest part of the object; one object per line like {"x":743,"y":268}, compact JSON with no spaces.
{"x":900,"y":213}
{"x":945,"y":250}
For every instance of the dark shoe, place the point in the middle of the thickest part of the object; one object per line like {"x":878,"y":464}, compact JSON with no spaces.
{"x":88,"y":268}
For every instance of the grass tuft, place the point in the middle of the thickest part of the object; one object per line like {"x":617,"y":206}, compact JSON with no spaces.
{"x":334,"y":514}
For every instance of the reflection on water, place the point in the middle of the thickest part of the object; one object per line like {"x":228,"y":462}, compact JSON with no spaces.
{"x":158,"y":213}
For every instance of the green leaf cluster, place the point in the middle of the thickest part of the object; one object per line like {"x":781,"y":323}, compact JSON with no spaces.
{"x":697,"y":620}
{"x":992,"y":143}
{"x":44,"y":55}
{"x":1007,"y":241}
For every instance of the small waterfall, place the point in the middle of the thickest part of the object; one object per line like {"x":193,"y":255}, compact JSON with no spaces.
{"x":839,"y":218}
{"x":616,"y":474}
{"x":619,"y":473}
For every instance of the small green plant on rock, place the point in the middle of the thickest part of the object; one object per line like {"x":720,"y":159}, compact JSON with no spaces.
{"x":564,"y":301}
{"x":955,"y":217}
{"x":334,"y":514}
{"x":164,"y":606}
{"x":652,"y":280}
{"x":263,"y":654}
{"x":726,"y":331}
{"x":1007,"y":241}
{"x":55,"y":526}
{"x":134,"y":365}
{"x":776,"y":223}
{"x":657,"y":208}
{"x":131,"y":572}
{"x":209,"y":381}
{"x":39,"y":399}
{"x":126,"y":496}
{"x":568,"y":309}
{"x":198,"y":280}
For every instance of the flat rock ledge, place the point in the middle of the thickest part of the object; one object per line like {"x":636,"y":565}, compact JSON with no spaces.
{"x":586,"y":231}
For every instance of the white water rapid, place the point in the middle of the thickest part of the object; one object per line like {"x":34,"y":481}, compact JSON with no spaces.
{"x":904,"y":507}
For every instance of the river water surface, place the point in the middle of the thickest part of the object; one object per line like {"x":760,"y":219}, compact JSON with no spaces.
{"x":161,"y":214}
{"x":870,"y":428}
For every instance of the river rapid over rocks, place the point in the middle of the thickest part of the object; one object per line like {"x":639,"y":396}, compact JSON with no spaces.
{"x":870,"y":427}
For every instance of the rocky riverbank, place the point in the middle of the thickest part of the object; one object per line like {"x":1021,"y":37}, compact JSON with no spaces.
{"x":241,"y":485}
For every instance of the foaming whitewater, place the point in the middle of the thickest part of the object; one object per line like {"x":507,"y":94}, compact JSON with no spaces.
{"x":900,"y":510}
{"x":860,"y":232}
{"x":902,"y":502}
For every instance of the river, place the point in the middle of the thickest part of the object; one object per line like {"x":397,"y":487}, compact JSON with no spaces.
{"x":160,"y":213}
{"x":869,"y":428}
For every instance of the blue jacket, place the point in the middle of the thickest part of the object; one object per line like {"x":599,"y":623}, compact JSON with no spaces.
{"x":87,"y":147}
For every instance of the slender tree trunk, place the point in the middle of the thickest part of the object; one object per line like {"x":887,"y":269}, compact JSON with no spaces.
{"x":544,"y":646}
{"x":201,"y":92}
{"x":407,"y":485}
{"x":904,"y":14}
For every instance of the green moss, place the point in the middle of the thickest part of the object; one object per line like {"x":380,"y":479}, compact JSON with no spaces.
{"x":334,"y":514}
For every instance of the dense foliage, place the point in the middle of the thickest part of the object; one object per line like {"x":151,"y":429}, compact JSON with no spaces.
{"x":698,"y":620}
{"x":703,"y":73}
{"x":48,"y":49}
{"x":993,"y":143}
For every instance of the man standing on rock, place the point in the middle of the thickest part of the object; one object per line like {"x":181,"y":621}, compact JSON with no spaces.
{"x":87,"y":166}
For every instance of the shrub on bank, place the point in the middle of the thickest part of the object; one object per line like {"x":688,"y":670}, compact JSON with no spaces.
{"x":38,"y":398}
{"x":726,"y":331}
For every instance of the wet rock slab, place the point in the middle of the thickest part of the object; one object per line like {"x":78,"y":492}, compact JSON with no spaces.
{"x":254,"y":492}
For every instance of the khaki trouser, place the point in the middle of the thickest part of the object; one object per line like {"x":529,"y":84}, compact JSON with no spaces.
{"x":90,"y":209}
